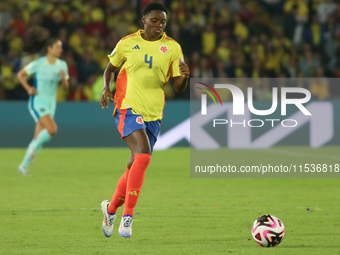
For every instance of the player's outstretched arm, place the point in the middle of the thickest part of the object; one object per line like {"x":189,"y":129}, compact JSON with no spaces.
{"x":22,"y":78}
{"x":108,"y":78}
{"x":181,"y":82}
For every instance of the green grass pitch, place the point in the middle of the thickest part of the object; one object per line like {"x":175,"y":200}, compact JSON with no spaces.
{"x":57,"y":209}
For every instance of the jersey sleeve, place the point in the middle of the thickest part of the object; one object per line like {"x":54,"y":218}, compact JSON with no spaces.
{"x":178,"y":54}
{"x":117,"y":55}
{"x":32,"y":67}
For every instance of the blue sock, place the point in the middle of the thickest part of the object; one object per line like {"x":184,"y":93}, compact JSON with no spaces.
{"x":42,"y":138}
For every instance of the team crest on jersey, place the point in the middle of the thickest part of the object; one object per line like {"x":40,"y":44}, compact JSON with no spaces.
{"x":139,"y":120}
{"x":163,"y":49}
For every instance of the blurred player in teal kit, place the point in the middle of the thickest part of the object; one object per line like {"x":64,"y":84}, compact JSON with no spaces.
{"x":49,"y":71}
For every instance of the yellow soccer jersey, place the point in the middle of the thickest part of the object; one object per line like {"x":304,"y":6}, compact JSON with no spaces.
{"x":147,"y":68}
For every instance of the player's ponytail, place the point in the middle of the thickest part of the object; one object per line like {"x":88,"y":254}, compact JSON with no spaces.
{"x":37,"y":40}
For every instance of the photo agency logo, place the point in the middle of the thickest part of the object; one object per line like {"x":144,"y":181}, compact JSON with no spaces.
{"x":238,"y":105}
{"x":237,"y":124}
{"x":204,"y":97}
{"x":238,"y":121}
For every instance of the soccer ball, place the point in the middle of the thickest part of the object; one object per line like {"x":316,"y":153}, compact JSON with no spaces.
{"x":268,"y":230}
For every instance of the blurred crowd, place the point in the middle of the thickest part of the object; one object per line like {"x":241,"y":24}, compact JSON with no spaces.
{"x":219,"y":38}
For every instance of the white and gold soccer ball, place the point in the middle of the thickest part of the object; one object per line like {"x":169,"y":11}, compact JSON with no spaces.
{"x":268,"y":230}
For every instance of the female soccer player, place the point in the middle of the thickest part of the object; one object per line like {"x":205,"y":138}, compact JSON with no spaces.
{"x":49,"y":71}
{"x":151,"y":57}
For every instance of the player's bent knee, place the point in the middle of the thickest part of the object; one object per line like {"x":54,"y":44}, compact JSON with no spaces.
{"x":53,"y":131}
{"x":146,"y":151}
{"x":142,"y":150}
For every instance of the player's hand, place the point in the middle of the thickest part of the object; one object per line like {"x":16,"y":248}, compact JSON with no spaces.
{"x":104,"y":102}
{"x":62,"y":74}
{"x":183,"y":69}
{"x":66,"y":85}
{"x":32,"y":91}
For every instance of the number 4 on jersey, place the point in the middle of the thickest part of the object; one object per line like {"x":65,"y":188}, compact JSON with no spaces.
{"x":148,"y":61}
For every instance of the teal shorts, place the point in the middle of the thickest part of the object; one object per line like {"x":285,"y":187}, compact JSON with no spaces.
{"x":39,"y":109}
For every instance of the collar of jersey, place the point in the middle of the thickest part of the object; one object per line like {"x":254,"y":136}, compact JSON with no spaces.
{"x":48,"y":63}
{"x":140,"y":31}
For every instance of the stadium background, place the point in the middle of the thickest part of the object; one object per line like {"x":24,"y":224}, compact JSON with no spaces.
{"x":56,"y":210}
{"x":237,"y":38}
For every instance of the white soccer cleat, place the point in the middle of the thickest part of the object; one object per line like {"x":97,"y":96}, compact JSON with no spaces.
{"x":109,"y":219}
{"x":31,"y":154}
{"x":23,"y":170}
{"x":125,"y":228}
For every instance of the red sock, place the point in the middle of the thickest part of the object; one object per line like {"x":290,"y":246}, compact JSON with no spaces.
{"x":118,"y":197}
{"x":135,"y":181}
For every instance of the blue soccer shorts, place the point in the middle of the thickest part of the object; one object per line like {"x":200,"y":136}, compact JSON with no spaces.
{"x":127,"y":122}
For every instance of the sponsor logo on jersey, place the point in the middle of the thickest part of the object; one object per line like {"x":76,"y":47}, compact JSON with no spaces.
{"x":163,"y":49}
{"x":42,"y":109}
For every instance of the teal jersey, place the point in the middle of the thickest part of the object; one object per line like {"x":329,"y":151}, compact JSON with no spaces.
{"x":46,"y":80}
